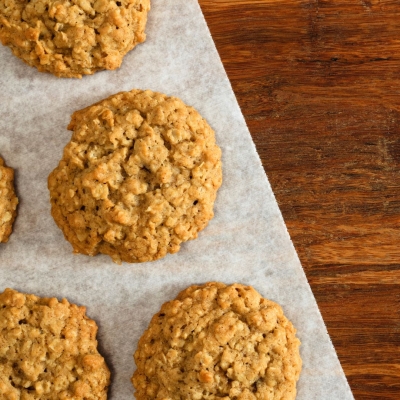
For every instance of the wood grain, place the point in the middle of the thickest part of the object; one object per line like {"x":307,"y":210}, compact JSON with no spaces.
{"x":319,"y":85}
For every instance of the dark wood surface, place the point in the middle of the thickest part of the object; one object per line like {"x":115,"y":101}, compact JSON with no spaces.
{"x":319,"y":85}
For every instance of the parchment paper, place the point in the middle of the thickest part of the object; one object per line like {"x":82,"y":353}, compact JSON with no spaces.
{"x":246,"y":242}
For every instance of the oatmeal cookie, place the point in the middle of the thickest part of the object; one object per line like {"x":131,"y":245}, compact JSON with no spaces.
{"x":71,"y":38}
{"x":138,"y":178}
{"x":218,"y":342}
{"x":8,"y":201}
{"x":48,"y":350}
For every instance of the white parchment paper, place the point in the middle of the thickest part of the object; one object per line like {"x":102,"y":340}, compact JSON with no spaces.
{"x":246,"y":242}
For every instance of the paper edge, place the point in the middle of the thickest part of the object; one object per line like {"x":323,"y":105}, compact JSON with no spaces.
{"x":281,"y":219}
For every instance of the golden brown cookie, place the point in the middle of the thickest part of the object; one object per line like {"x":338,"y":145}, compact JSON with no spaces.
{"x":218,"y":342}
{"x":48,"y":350}
{"x":8,"y":201}
{"x":71,"y":38}
{"x":138,"y":178}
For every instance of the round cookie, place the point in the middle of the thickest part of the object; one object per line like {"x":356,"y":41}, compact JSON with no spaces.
{"x":138,"y":178}
{"x":218,"y":342}
{"x":8,"y":201}
{"x":48,"y":350}
{"x":71,"y":38}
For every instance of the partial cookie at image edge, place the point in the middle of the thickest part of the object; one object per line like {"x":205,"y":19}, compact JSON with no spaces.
{"x":73,"y":39}
{"x":218,"y":341}
{"x":49,"y":350}
{"x":8,"y":201}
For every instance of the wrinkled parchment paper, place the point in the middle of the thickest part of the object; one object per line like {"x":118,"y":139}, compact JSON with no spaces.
{"x":246,"y":242}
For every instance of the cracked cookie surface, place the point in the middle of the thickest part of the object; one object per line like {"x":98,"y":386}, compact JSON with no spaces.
{"x":138,"y":178}
{"x":48,"y":350}
{"x":8,"y":201}
{"x":218,"y":342}
{"x":71,"y":38}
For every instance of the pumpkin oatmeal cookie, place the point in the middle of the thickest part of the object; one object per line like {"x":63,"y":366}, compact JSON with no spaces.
{"x":48,"y":350}
{"x":71,"y":38}
{"x":8,"y":201}
{"x":138,"y":178}
{"x":218,"y":342}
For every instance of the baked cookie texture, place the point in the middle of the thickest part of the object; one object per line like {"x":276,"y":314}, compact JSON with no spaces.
{"x":218,"y":341}
{"x":71,"y":38}
{"x":48,"y":350}
{"x":138,"y":178}
{"x":8,"y":201}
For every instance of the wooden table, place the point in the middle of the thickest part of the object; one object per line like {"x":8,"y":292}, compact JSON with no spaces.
{"x":319,"y":85}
